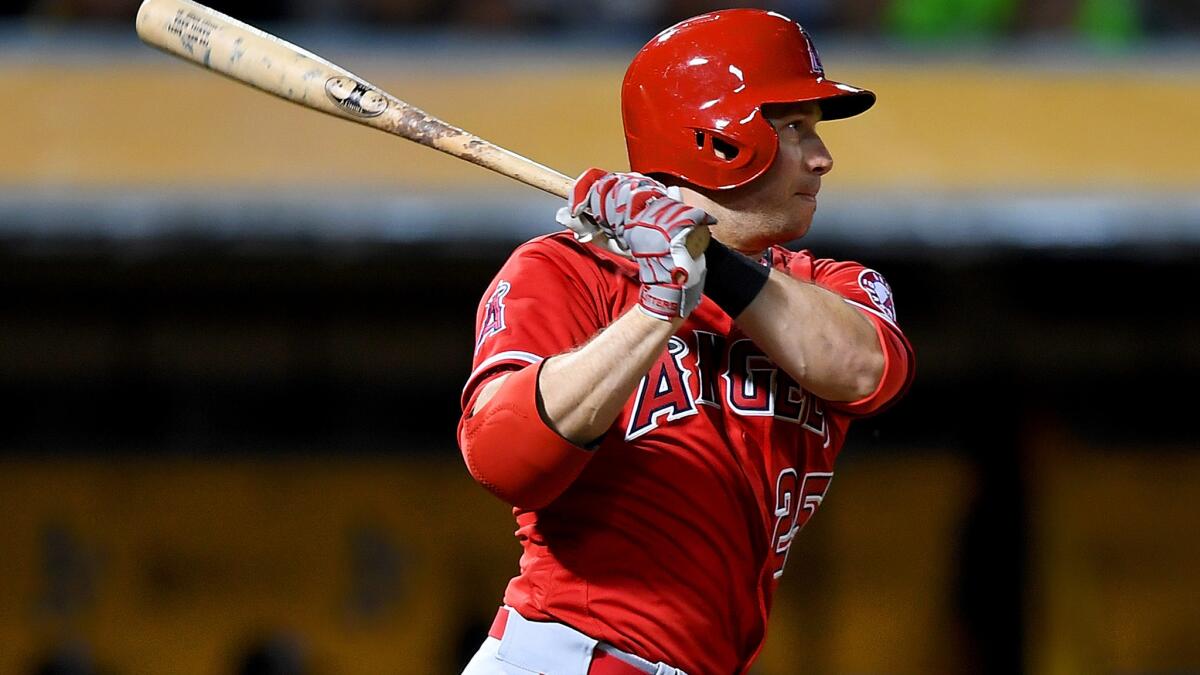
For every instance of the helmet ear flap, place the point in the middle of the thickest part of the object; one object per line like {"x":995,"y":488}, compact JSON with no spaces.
{"x":722,"y":151}
{"x":720,"y":147}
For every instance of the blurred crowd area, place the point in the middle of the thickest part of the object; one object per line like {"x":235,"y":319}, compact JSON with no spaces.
{"x":1113,"y":21}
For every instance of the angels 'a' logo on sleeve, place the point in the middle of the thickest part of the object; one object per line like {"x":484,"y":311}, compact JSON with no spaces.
{"x":493,"y":314}
{"x":879,"y":292}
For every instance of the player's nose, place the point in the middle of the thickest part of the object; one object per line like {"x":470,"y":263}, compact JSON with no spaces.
{"x":817,"y":159}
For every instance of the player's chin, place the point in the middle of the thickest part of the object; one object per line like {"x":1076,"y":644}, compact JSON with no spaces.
{"x":801,"y":220}
{"x":800,"y":229}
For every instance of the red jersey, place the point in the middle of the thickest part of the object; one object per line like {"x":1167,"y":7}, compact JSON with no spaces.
{"x":672,"y":540}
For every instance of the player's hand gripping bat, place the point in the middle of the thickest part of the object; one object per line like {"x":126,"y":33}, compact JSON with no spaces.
{"x":209,"y":38}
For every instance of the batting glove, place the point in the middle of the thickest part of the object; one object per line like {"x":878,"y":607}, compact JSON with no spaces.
{"x":650,"y":222}
{"x":595,"y":205}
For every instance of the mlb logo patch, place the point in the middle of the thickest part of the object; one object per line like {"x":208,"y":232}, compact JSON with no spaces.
{"x":877,"y":289}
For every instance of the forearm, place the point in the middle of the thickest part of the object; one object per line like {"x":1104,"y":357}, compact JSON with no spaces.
{"x":526,"y":431}
{"x":826,"y":345}
{"x":583,"y":391}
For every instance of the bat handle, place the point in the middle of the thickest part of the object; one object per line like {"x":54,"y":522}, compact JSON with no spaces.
{"x":561,"y":185}
{"x":551,"y":181}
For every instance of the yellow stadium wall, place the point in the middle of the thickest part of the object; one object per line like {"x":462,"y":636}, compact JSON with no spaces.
{"x":1115,"y":546}
{"x":188,"y":560}
{"x":959,"y":127}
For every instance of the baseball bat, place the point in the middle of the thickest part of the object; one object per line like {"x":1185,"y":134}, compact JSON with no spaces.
{"x":239,"y":51}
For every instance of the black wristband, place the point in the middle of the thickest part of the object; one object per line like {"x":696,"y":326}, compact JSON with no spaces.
{"x":733,"y":280}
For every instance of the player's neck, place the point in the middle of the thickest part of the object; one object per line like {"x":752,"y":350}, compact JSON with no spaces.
{"x":751,"y":252}
{"x":727,"y":233}
{"x":727,"y":230}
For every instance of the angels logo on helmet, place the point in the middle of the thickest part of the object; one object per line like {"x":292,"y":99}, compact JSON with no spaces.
{"x":814,"y":58}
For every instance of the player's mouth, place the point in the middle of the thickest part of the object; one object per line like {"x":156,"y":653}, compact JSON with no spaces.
{"x":809,"y":191}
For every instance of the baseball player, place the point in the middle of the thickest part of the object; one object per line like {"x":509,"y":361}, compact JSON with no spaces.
{"x":664,"y":425}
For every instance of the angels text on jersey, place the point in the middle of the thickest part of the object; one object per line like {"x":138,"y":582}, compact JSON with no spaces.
{"x":710,"y":369}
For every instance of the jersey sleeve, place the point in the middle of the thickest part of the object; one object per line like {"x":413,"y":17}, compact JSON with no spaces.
{"x":544,"y":301}
{"x":867,"y":290}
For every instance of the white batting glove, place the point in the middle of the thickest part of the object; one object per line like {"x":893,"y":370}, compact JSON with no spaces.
{"x":585,"y":229}
{"x":648,"y":220}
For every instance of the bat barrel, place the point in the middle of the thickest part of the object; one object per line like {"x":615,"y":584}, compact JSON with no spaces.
{"x":242,"y":52}
{"x":223,"y":44}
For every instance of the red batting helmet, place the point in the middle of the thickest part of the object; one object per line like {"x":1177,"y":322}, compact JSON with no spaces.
{"x":692,"y":97}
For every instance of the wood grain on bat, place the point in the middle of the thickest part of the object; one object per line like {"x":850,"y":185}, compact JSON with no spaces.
{"x":240,"y":51}
{"x":244,"y":53}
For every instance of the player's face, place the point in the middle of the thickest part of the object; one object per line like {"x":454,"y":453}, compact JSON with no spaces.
{"x":778,"y":206}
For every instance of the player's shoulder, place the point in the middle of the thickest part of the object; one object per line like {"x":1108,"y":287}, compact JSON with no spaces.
{"x":563,"y":250}
{"x":555,"y":244}
{"x":857,"y":283}
{"x":804,"y":264}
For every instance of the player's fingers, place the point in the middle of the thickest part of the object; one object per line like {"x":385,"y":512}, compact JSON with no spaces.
{"x":670,"y":215}
{"x":687,"y":217}
{"x":582,"y":188}
{"x":597,"y":203}
{"x":626,"y":197}
{"x":616,"y":202}
{"x":652,"y":213}
{"x":648,"y":240}
{"x":646,"y":181}
{"x":640,"y":198}
{"x":695,"y":217}
{"x":593,"y":198}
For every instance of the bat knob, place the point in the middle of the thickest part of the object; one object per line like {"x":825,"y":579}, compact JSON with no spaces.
{"x":697,"y":241}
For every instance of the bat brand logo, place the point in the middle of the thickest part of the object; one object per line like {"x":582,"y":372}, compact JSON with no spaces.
{"x":191,"y":30}
{"x":356,"y":98}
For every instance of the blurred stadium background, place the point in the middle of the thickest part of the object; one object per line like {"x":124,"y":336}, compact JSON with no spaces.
{"x":233,"y":333}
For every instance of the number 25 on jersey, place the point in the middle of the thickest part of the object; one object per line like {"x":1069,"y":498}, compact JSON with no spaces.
{"x":796,"y":501}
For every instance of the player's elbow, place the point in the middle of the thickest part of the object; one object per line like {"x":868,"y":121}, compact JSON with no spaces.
{"x":518,"y":465}
{"x":846,"y":375}
{"x":867,"y":373}
{"x":522,"y":492}
{"x":509,"y":449}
